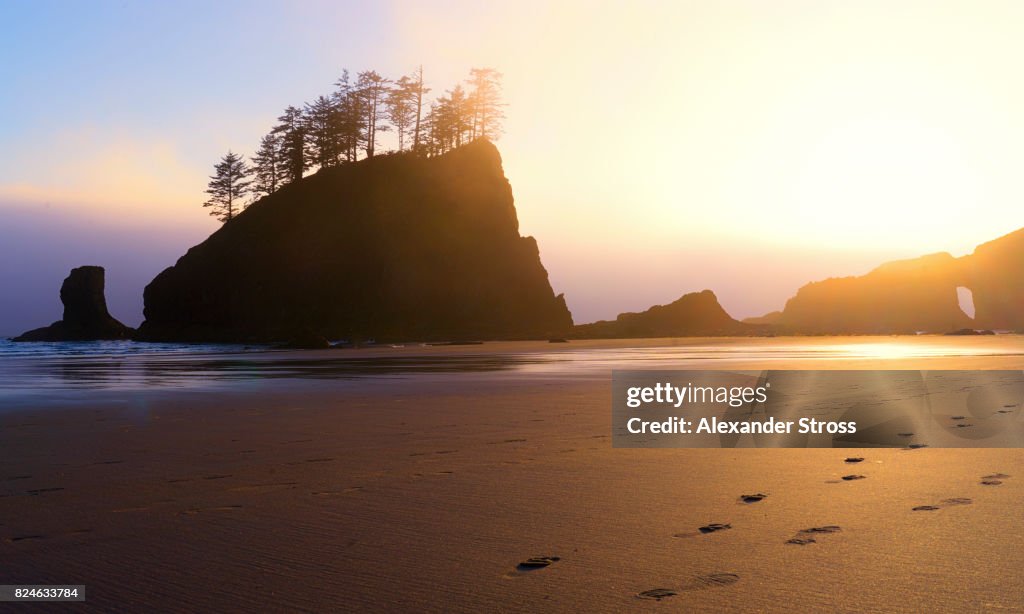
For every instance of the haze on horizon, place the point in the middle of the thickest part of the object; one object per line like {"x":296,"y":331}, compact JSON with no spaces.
{"x":653,"y":149}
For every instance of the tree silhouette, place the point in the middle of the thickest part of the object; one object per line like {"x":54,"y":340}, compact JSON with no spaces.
{"x":485,"y":100}
{"x":324,"y":144}
{"x":333,"y":129}
{"x":348,"y":117}
{"x":420,"y":91}
{"x":450,"y":121}
{"x":228,"y":185}
{"x":401,"y":106}
{"x":292,"y":130}
{"x":372,"y":89}
{"x":268,"y":165}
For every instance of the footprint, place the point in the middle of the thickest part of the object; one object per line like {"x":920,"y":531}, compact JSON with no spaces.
{"x":714,"y":526}
{"x":537,"y":562}
{"x":945,"y":502}
{"x":829,"y":528}
{"x":657,"y":594}
{"x":805,"y":537}
{"x":711,"y":580}
{"x":753,"y":498}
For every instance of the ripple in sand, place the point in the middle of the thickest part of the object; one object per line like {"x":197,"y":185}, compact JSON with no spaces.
{"x":917,"y":446}
{"x":714,"y":526}
{"x":801,"y":541}
{"x":850,"y":478}
{"x":537,"y":562}
{"x":957,"y":417}
{"x":854,"y":459}
{"x":925,"y":508}
{"x":995,"y":476}
{"x":991,"y":482}
{"x":958,"y":501}
{"x":753,"y":498}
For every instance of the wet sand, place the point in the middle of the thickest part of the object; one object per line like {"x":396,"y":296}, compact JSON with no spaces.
{"x":427,"y":492}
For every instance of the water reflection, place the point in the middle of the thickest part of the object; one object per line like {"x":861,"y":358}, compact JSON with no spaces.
{"x":126,"y":366}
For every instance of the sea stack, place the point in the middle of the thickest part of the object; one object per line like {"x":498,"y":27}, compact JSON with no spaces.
{"x":394,"y":247}
{"x":85,"y":312}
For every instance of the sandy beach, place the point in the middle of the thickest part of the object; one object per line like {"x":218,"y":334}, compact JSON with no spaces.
{"x":426,"y":491}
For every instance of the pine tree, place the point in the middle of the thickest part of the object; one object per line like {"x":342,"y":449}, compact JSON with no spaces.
{"x":268,"y":165}
{"x":228,"y":185}
{"x":485,"y":103}
{"x":371,"y":89}
{"x":401,"y":106}
{"x":324,"y":147}
{"x":420,"y":91}
{"x":292,"y":130}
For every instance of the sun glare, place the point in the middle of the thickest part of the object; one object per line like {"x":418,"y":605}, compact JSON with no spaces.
{"x":880,"y":180}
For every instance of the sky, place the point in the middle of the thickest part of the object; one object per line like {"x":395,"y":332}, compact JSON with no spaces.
{"x":654,"y":148}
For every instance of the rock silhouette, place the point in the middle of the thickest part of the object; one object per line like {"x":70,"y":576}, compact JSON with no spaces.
{"x":694,"y":314}
{"x":392,"y":247}
{"x":919,"y":294}
{"x":85,"y":311}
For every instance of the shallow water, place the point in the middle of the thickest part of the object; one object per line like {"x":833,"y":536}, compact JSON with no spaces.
{"x":34,"y":369}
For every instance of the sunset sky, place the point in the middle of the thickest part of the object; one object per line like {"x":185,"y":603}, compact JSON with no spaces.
{"x":654,"y":148}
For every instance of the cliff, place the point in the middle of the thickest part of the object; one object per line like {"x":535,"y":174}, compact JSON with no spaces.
{"x":85,"y":311}
{"x":696,"y":314}
{"x":393,"y":247}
